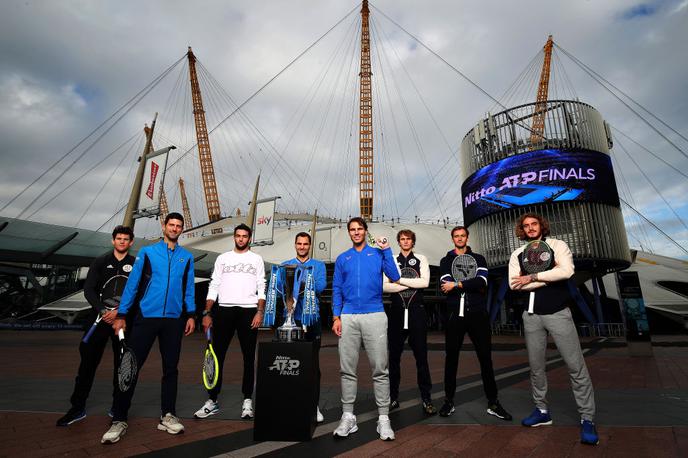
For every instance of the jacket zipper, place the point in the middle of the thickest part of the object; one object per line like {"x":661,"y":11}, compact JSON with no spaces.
{"x":169,"y":266}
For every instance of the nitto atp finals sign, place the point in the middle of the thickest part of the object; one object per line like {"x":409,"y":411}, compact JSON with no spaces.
{"x":535,"y":177}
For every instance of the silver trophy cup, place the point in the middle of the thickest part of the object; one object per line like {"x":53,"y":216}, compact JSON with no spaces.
{"x":289,"y":331}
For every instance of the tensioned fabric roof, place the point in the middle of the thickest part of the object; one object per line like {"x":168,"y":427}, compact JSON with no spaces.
{"x":41,"y":243}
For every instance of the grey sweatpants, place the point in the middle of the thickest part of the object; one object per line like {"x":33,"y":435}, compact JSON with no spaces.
{"x":370,"y":331}
{"x":562,"y":329}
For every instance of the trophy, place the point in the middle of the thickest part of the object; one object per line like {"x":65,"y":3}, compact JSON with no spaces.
{"x":289,"y":331}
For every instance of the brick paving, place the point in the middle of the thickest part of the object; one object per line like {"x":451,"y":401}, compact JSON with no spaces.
{"x":39,"y":368}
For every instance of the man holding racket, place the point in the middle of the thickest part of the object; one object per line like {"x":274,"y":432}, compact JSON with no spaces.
{"x":407,"y":319}
{"x":463,"y":278}
{"x":360,"y":320}
{"x":162,"y":284}
{"x":237,"y":286}
{"x":551,"y":264}
{"x":104,"y":285}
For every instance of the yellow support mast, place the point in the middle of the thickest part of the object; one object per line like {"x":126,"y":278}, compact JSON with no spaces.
{"x":538,"y":127}
{"x":185,"y":204}
{"x":212,"y":199}
{"x":365,"y":161}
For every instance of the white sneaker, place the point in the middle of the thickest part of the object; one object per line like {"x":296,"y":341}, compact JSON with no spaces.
{"x":209,"y":408}
{"x":247,"y":409}
{"x":318,"y":415}
{"x":384,"y":428}
{"x":347,"y":425}
{"x":115,"y":433}
{"x":171,"y":424}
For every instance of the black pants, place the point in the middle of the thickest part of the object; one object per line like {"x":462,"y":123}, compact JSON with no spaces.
{"x":477,"y":325}
{"x":91,"y":354}
{"x":416,"y":333}
{"x":169,"y":332}
{"x":227,"y":321}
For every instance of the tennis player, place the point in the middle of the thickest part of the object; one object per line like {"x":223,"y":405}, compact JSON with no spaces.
{"x":417,"y":331}
{"x":162,"y":284}
{"x":551,"y":315}
{"x":302,"y":246}
{"x":360,"y":321}
{"x":107,"y":276}
{"x":235,"y":303}
{"x":475,"y":322}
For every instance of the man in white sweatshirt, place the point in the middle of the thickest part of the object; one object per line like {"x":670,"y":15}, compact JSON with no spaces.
{"x":235,"y":302}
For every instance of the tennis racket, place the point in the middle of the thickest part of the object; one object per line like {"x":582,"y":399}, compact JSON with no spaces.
{"x":537,"y":257}
{"x":464,"y":267}
{"x":407,"y":294}
{"x":211,"y":368}
{"x":110,"y":305}
{"x":128,"y":368}
{"x":110,"y":295}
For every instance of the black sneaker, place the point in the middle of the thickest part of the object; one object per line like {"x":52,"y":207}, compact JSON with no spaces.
{"x":447,"y":408}
{"x":72,"y":416}
{"x":393,"y":405}
{"x":498,"y":411}
{"x":428,"y":408}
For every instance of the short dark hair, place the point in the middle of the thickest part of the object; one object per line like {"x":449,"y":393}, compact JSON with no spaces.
{"x":460,"y":228}
{"x":174,"y":215}
{"x":243,"y":227}
{"x":544,"y":225}
{"x":303,"y":234}
{"x":407,"y":233}
{"x":359,"y":220}
{"x":126,"y":230}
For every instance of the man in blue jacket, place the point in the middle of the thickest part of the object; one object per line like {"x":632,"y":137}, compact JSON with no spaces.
{"x":302,"y":245}
{"x":161,"y":284}
{"x":359,"y":318}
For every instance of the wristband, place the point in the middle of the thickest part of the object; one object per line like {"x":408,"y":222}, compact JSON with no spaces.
{"x":206,"y":313}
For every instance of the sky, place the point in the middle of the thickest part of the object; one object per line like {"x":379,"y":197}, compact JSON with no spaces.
{"x":65,"y":67}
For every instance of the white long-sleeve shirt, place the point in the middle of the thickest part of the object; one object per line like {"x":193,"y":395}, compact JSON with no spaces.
{"x":238,"y":279}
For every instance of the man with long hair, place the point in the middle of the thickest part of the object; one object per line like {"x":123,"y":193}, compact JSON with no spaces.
{"x":551,"y":315}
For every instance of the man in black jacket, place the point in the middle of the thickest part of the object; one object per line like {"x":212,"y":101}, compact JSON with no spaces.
{"x":472,"y":318}
{"x":104,"y":285}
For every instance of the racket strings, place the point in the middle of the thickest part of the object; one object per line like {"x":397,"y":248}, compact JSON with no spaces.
{"x":537,"y":257}
{"x":127,"y":371}
{"x":464,"y":267}
{"x":209,"y":367}
{"x":408,"y":272}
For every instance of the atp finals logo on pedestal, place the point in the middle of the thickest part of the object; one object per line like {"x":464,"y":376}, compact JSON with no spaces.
{"x":285,"y":365}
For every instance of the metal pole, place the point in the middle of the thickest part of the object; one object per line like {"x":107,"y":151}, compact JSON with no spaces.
{"x":138,"y":181}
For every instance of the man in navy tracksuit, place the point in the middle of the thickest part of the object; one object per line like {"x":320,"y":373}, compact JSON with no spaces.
{"x":473,"y":319}
{"x":360,"y":320}
{"x":162,"y":284}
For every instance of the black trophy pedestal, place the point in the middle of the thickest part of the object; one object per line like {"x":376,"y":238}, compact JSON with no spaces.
{"x":286,"y":380}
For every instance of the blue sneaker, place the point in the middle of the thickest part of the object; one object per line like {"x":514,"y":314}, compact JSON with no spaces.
{"x":72,"y":416}
{"x":589,"y":433}
{"x":537,"y":418}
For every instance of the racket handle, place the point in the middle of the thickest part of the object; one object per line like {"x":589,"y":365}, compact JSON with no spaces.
{"x":121,"y":334}
{"x":461,"y":305}
{"x":531,"y":302}
{"x":90,"y":332}
{"x":405,"y":318}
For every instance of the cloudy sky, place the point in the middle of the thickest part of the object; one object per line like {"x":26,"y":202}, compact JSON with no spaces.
{"x":66,"y":67}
